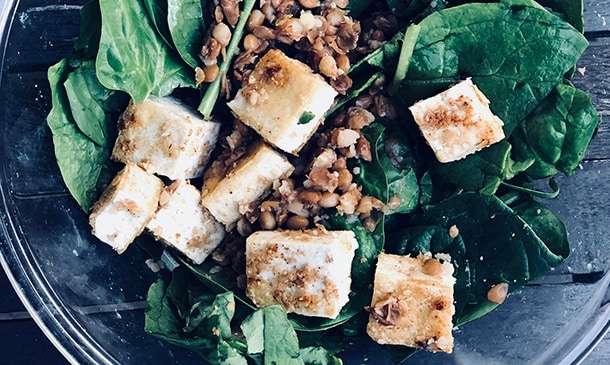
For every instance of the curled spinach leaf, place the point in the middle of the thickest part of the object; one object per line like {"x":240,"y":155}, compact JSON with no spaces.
{"x":516,"y":52}
{"x":391,"y":174}
{"x":187,"y":28}
{"x":180,"y":311}
{"x":84,"y":163}
{"x":94,"y":108}
{"x":557,"y":133}
{"x":495,"y":244}
{"x":132,"y":56}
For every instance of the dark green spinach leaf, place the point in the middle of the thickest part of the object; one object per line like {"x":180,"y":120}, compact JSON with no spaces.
{"x":84,"y":164}
{"x":180,"y":311}
{"x":133,"y":58}
{"x":501,"y":246}
{"x":157,"y":11}
{"x":270,"y":336}
{"x":187,"y":28}
{"x":516,"y":52}
{"x":557,"y":133}
{"x":95,"y":109}
{"x":391,"y":175}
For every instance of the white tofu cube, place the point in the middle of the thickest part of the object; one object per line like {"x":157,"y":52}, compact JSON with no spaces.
{"x":248,"y":182}
{"x":307,"y":272}
{"x":412,"y":302}
{"x":165,"y":137}
{"x":181,"y":222}
{"x":457,"y":122}
{"x":283,"y":101}
{"x":125,"y":207}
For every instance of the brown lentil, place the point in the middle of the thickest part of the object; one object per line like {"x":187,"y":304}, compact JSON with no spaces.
{"x":267,"y":220}
{"x":256,"y":19}
{"x":211,"y":72}
{"x":363,"y":149}
{"x":344,"y":179}
{"x":369,"y":224}
{"x":199,"y":76}
{"x":310,"y":197}
{"x":222,"y":33}
{"x":263,"y":32}
{"x":230,"y":8}
{"x":328,"y":66}
{"x":432,"y":267}
{"x":394,"y":202}
{"x":497,"y":293}
{"x":297,"y":222}
{"x":329,"y":200}
{"x":343,"y":62}
{"x":453,"y":231}
{"x":251,"y":43}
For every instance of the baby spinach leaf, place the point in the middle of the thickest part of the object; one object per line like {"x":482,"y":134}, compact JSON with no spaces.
{"x":84,"y":164}
{"x":133,"y":58}
{"x":269,"y":334}
{"x":483,"y":171}
{"x":391,"y":173}
{"x":180,"y":311}
{"x":571,"y":11}
{"x":557,"y":133}
{"x":501,"y":246}
{"x":95,"y":109}
{"x":516,"y":53}
{"x":88,"y":40}
{"x":157,"y":11}
{"x":546,"y":224}
{"x":187,"y":28}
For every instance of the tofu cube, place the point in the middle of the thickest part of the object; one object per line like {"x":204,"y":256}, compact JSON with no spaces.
{"x":181,"y":222}
{"x":165,"y":137}
{"x":307,"y":272}
{"x":125,"y":207}
{"x":283,"y":101}
{"x":457,"y":122}
{"x":412,"y":302}
{"x":248,"y":182}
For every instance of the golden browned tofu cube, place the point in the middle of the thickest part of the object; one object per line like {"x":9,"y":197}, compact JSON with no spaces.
{"x":283,"y":101}
{"x":457,"y":122}
{"x":248,"y":182}
{"x":165,"y":137}
{"x":307,"y":272}
{"x":181,"y":222}
{"x":412,"y":302}
{"x":125,"y":207}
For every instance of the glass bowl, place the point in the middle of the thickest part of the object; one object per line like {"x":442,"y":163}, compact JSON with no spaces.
{"x":90,"y":301}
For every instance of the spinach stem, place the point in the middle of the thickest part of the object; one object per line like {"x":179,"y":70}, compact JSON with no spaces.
{"x":206,"y":106}
{"x":537,"y":193}
{"x":404,"y":59}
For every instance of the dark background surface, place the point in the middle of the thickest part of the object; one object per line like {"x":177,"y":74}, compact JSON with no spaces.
{"x":22,"y":342}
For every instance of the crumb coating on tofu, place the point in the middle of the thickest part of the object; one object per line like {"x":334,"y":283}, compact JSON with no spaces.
{"x":412,"y":302}
{"x":306,"y":272}
{"x":125,"y":207}
{"x":277,"y":94}
{"x":457,"y":122}
{"x":165,"y":137}
{"x":181,"y":222}
{"x":248,"y":182}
